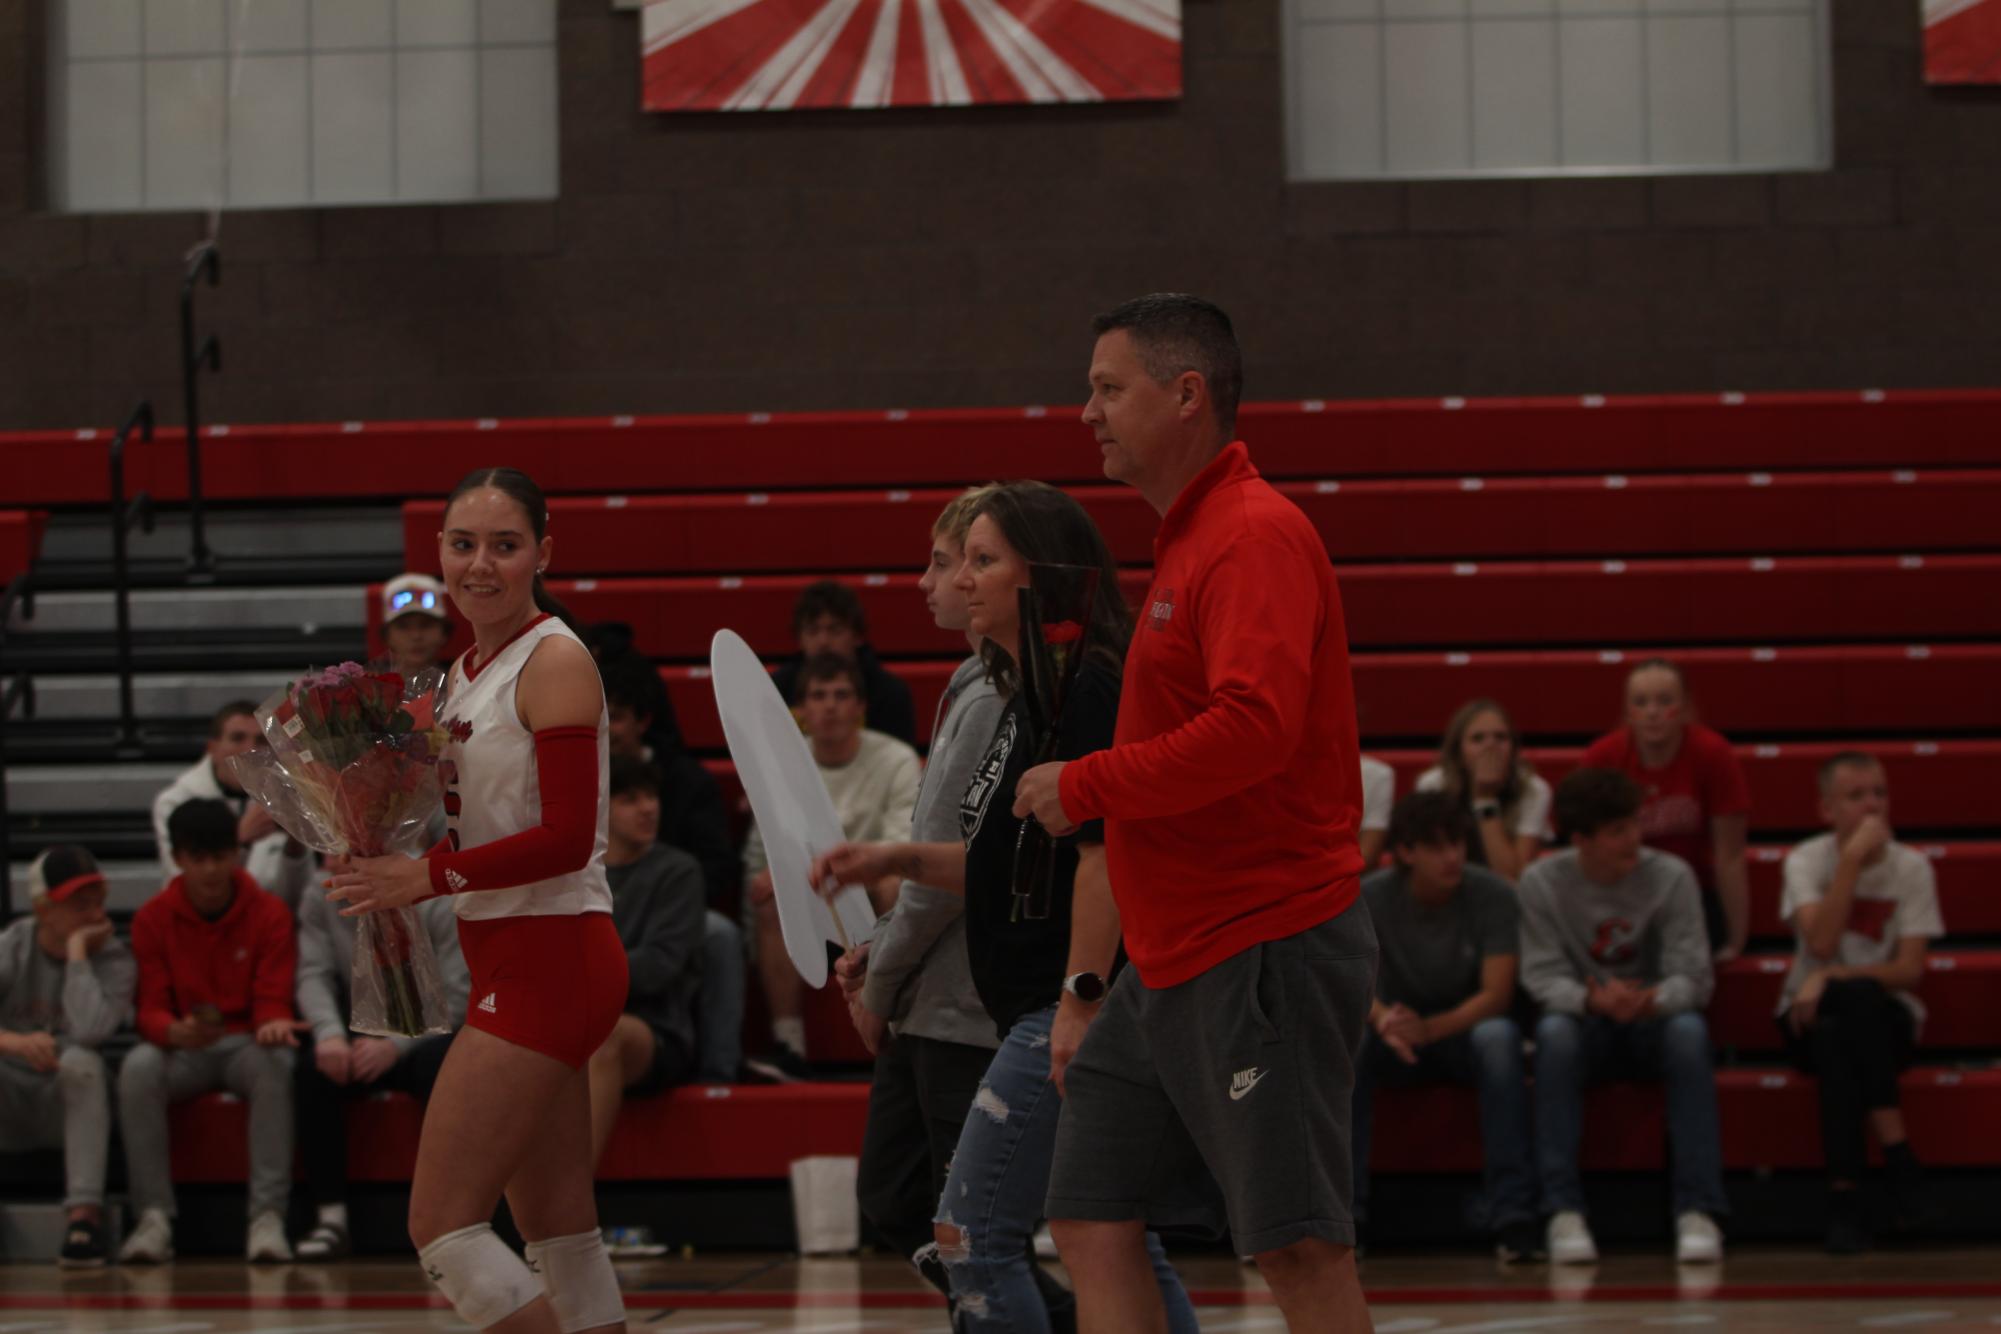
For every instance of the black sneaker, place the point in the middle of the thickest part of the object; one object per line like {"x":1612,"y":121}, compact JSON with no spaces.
{"x":1846,"y":1232}
{"x":83,"y":1245}
{"x":780,"y":1065}
{"x":1521,"y":1243}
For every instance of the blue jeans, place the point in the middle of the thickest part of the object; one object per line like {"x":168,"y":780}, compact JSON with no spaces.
{"x":995,"y":1192}
{"x":719,"y":1003}
{"x":1488,"y":1057}
{"x":1573,"y":1051}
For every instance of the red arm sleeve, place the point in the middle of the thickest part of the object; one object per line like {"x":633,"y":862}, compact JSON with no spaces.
{"x":156,"y":991}
{"x":566,"y":767}
{"x":1259,"y":618}
{"x":277,"y":965}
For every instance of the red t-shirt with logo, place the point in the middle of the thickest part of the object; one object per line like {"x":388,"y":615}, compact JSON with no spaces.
{"x":1702,"y":781}
{"x":1232,"y":792}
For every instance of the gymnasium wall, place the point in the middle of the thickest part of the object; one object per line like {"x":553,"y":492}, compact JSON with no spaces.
{"x":875,"y":260}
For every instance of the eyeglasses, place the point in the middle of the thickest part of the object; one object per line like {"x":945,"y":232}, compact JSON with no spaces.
{"x":411,"y":598}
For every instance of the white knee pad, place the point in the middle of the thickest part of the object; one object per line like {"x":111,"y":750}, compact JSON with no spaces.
{"x":578,"y":1277}
{"x":483,"y":1280}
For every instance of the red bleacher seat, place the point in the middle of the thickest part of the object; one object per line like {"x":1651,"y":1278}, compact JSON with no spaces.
{"x":753,"y":1133}
{"x":722,"y":1132}
{"x":1933,"y":784}
{"x":1959,"y":991}
{"x":1412,"y":437}
{"x":1473,"y":518}
{"x":20,"y":541}
{"x":1464,"y":603}
{"x":1769,"y":1120}
{"x":1576,"y":692}
{"x":1937,"y":784}
{"x":1969,"y":888}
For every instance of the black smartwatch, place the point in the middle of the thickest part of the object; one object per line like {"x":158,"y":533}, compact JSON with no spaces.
{"x":1486,"y":810}
{"x":1086,"y":987}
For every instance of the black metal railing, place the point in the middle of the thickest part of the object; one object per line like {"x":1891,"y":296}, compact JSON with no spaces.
{"x":17,"y":688}
{"x":124,"y":514}
{"x":205,"y":260}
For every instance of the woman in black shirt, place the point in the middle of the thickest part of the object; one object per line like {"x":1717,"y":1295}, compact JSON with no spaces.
{"x":1040,"y":976}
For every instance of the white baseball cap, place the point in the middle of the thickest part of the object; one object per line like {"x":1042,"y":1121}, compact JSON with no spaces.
{"x":414,"y":595}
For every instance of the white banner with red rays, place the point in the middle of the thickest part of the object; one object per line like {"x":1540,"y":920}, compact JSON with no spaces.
{"x":1963,"y":41}
{"x":777,"y":55}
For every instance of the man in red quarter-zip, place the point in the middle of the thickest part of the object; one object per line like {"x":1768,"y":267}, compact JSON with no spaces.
{"x":1231,"y":799}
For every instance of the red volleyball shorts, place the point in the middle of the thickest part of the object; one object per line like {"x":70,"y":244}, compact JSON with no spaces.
{"x":551,"y":984}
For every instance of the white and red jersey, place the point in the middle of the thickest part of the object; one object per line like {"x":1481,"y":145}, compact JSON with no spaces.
{"x":492,"y":787}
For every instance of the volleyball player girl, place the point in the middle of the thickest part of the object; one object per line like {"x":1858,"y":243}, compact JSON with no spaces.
{"x":526,"y":777}
{"x":1041,"y":968}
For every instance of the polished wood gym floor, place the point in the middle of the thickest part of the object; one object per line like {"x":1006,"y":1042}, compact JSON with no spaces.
{"x":1934,"y":1290}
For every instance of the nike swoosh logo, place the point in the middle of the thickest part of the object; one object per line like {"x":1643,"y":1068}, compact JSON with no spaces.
{"x":1239,"y":1094}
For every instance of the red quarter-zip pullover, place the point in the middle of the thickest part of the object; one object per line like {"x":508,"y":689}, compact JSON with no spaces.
{"x":242,"y":963}
{"x":1232,"y":793}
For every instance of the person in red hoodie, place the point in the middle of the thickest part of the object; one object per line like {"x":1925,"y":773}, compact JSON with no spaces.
{"x":216,"y":960}
{"x":1231,"y":800}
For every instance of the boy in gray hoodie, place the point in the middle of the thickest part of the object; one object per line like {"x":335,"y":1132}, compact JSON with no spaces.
{"x":66,"y":984}
{"x":1615,"y":952}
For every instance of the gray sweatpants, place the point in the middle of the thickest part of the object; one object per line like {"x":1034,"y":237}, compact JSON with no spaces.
{"x":70,"y":1109}
{"x":153,"y":1079}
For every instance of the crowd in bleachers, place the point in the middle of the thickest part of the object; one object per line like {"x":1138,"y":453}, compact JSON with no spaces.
{"x":1571,"y":933}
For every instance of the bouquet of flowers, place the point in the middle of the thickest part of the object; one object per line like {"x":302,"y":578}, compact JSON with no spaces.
{"x":350,"y":768}
{"x":1055,"y":608}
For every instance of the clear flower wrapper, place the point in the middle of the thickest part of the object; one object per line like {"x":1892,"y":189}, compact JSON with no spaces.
{"x":349,"y":768}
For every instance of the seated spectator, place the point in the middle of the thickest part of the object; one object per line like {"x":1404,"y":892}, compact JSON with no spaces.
{"x":216,"y":965}
{"x":657,"y":905}
{"x":337,"y":1066}
{"x":873,"y":781}
{"x":1379,"y":794}
{"x":66,"y":985}
{"x":692,"y":815}
{"x":829,"y":619}
{"x":1614,"y":951}
{"x":416,"y":625}
{"x":1863,"y":907}
{"x":1445,"y":981}
{"x":691,"y":820}
{"x":278,"y":864}
{"x":1697,"y":803}
{"x":1480,"y":766}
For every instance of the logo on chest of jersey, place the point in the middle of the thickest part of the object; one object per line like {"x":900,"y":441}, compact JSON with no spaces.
{"x":1162,"y":610}
{"x":986,"y":779}
{"x":1871,"y":918}
{"x":459,"y":730}
{"x":1613,"y":942}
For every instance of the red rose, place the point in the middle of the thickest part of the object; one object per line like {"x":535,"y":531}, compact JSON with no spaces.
{"x":1062,"y":632}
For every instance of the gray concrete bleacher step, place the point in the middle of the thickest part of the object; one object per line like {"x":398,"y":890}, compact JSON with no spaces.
{"x":261,"y":546}
{"x":154,"y":694}
{"x":254,"y":533}
{"x":169,"y":609}
{"x":41,"y":789}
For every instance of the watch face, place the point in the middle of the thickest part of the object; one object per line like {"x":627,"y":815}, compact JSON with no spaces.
{"x":1087,"y":987}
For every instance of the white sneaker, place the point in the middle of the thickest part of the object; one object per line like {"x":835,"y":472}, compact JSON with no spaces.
{"x":1570,"y":1241}
{"x":1045,"y":1243}
{"x":267,"y":1243}
{"x":151,"y":1243}
{"x":1698,"y":1241}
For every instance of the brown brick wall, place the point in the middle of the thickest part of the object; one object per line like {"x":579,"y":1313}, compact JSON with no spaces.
{"x":911,"y":259}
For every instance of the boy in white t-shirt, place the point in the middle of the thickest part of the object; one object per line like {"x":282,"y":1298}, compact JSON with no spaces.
{"x":1863,"y":907}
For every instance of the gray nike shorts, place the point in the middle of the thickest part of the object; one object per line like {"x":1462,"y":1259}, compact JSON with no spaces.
{"x":1228,"y":1098}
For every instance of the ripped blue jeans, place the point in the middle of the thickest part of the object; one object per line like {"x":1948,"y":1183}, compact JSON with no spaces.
{"x":995,"y":1192}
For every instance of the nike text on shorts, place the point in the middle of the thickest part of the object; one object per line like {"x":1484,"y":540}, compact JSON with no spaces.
{"x":1227,"y":1099}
